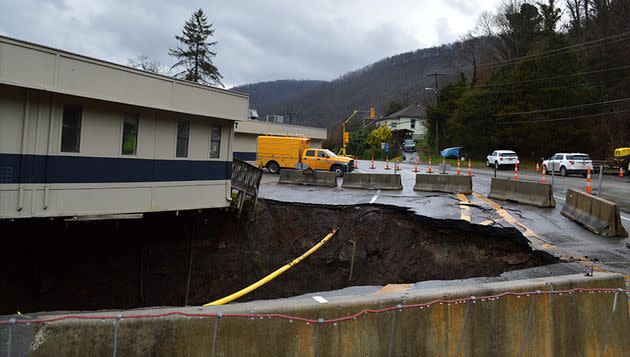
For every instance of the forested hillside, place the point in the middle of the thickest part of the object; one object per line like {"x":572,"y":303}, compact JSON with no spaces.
{"x":543,"y":86}
{"x":271,"y":97}
{"x":400,"y":78}
{"x":526,"y":79}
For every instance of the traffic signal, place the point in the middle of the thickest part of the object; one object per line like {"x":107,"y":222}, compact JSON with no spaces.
{"x":346,"y":137}
{"x":372,"y":113}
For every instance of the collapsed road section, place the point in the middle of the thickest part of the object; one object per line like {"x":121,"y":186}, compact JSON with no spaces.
{"x":192,"y":258}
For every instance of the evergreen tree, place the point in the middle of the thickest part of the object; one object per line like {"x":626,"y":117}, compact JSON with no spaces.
{"x":196,"y":57}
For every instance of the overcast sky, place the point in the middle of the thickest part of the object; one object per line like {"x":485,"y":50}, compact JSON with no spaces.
{"x":258,"y":40}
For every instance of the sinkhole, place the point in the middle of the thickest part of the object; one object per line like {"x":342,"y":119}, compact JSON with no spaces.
{"x":191,"y":258}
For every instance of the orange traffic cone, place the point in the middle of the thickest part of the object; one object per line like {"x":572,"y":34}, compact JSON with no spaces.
{"x":620,"y":172}
{"x":588,"y":180}
{"x":469,"y":168}
{"x":415,"y":169}
{"x":397,"y":165}
{"x":458,"y":171}
{"x":372,"y":167}
{"x":387,"y":163}
{"x":356,"y":164}
{"x":516,"y":172}
{"x":537,"y":168}
{"x":430,"y":171}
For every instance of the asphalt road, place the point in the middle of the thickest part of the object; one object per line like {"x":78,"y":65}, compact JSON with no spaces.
{"x":546,"y":228}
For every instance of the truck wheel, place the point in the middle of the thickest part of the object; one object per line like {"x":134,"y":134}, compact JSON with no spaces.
{"x":544,"y":170}
{"x":563,"y":171}
{"x":337,"y":169}
{"x":496,"y":165}
{"x":273,"y":167}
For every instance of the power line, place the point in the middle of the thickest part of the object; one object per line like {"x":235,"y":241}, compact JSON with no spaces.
{"x":546,"y":78}
{"x":565,"y":108}
{"x":564,"y":118}
{"x":598,"y":84}
{"x":554,"y":52}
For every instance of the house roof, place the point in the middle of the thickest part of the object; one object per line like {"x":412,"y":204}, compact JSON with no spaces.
{"x":412,"y":111}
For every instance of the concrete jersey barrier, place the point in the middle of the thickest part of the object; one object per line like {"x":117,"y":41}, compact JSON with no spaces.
{"x":372,"y":181}
{"x":443,"y":183}
{"x":598,"y":215}
{"x":525,"y":192}
{"x":312,"y":178}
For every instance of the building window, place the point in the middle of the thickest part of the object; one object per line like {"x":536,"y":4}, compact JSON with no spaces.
{"x":183,"y":130}
{"x":130,"y":133}
{"x":71,"y":128}
{"x":215,"y":141}
{"x":413,"y":123}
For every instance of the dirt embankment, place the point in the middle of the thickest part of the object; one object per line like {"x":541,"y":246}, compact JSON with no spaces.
{"x":124,"y":264}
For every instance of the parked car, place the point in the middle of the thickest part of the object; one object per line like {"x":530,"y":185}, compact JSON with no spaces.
{"x":453,"y":153}
{"x":409,"y":145}
{"x":505,"y":158}
{"x":568,"y":163}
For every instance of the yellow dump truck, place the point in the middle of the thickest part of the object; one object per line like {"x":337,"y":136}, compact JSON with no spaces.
{"x":278,"y":152}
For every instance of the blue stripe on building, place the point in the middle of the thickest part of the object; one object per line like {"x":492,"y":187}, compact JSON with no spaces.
{"x":16,"y":168}
{"x":245,"y":156}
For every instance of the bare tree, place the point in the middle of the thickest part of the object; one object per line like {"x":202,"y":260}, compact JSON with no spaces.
{"x":144,"y":63}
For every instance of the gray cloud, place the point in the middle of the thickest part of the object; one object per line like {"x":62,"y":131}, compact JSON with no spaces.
{"x":257,"y":41}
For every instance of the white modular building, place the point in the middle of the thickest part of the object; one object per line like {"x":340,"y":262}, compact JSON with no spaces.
{"x":80,"y":136}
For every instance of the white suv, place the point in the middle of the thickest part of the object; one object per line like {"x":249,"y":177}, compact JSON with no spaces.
{"x":568,"y":163}
{"x":502,"y":158}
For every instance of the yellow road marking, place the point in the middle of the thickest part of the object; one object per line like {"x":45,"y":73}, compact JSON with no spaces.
{"x":508,"y":217}
{"x":465,"y":209}
{"x":532,"y":235}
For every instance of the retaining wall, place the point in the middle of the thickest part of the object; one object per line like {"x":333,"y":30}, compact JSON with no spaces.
{"x":547,"y":323}
{"x":525,"y":192}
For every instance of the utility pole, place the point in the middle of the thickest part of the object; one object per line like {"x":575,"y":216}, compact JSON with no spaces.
{"x":291,"y":114}
{"x":435,"y":74}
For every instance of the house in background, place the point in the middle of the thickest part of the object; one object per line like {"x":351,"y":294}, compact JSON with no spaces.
{"x":410,"y":119}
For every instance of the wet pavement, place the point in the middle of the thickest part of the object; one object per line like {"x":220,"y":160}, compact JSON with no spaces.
{"x":546,"y":228}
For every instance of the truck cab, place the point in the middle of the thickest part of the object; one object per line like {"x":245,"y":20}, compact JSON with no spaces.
{"x":324,"y":159}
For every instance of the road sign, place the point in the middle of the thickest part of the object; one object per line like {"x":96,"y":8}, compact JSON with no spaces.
{"x":386,"y":148}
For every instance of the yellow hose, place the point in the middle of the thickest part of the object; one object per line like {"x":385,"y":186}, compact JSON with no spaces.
{"x":273,"y":275}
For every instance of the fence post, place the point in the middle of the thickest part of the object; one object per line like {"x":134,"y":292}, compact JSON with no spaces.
{"x":608,"y":325}
{"x":461,"y":336}
{"x":116,"y":328}
{"x":216,"y":332}
{"x":599,"y":179}
{"x":10,"y":336}
{"x":392,"y":332}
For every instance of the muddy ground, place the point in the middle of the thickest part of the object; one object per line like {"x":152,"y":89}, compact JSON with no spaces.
{"x":58,"y":265}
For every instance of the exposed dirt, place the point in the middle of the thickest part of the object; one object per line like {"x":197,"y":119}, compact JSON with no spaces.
{"x":55,"y":265}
